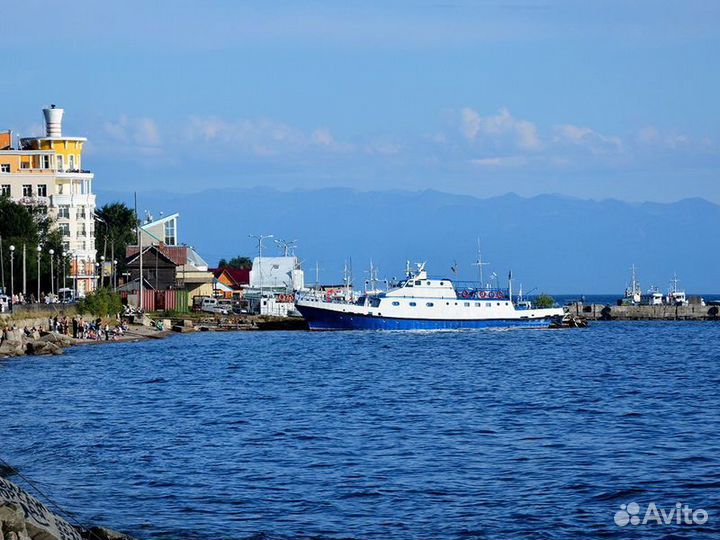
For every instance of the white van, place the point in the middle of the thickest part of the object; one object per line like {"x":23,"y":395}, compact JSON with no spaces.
{"x":213,"y":305}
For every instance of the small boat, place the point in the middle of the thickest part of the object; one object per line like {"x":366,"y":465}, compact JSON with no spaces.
{"x":420,"y":302}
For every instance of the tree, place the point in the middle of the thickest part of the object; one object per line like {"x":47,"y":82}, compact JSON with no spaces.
{"x":544,"y":301}
{"x":115,"y":231}
{"x":30,"y":226}
{"x":236,"y":262}
{"x":103,"y":302}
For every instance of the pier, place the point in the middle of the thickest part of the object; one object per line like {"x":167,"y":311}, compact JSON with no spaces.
{"x":604,"y":312}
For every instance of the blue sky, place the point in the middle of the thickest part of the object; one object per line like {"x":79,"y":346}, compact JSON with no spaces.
{"x":610,"y":99}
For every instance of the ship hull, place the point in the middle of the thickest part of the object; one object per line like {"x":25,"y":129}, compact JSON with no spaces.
{"x":325,"y":319}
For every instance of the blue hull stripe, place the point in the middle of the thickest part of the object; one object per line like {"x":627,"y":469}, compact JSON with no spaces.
{"x":323,"y":319}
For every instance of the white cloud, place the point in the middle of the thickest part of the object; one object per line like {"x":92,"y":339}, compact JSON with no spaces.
{"x":141,"y":132}
{"x":522,"y":133}
{"x":586,"y":137}
{"x":500,"y":161}
{"x":261,"y":137}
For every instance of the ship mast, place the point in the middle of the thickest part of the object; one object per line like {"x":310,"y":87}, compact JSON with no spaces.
{"x":479,"y":263}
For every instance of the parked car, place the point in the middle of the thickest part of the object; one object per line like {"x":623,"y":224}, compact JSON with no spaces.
{"x":212,"y":305}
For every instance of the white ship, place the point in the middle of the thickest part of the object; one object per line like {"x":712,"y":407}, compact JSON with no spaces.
{"x":423,"y":303}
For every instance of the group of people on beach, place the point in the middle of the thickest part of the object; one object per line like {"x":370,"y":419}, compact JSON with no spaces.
{"x":80,"y":328}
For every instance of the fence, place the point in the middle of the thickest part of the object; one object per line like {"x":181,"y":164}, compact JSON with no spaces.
{"x":172,"y":300}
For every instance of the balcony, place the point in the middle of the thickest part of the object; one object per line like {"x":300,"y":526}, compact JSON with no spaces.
{"x":34,"y":200}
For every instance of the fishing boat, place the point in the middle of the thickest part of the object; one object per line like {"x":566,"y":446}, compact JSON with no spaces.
{"x":420,"y":302}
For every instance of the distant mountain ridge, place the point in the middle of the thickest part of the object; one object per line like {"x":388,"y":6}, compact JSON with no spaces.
{"x":556,"y":243}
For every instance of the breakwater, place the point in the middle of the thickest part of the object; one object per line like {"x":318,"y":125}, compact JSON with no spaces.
{"x":605,"y":312}
{"x":24,"y":517}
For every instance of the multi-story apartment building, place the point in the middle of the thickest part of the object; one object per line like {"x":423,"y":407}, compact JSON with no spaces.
{"x":47,"y":172}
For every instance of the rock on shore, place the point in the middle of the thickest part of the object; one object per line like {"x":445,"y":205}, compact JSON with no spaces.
{"x":23,"y":517}
{"x":18,"y":344}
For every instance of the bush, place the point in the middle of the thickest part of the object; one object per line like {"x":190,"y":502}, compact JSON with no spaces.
{"x":544,"y":301}
{"x":102,"y":302}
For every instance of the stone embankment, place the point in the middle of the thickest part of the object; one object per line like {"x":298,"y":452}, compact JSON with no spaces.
{"x":23,"y":517}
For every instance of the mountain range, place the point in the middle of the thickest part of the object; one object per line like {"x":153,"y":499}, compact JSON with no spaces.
{"x":551,"y":243}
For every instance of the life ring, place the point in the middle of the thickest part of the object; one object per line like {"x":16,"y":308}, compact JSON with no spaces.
{"x":500,"y":294}
{"x":491,"y":294}
{"x":482,"y":294}
{"x":466,"y":294}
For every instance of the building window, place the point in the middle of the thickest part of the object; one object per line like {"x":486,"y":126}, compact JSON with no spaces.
{"x":61,"y":162}
{"x":170,"y":239}
{"x":71,"y":162}
{"x":27,"y":190}
{"x":46,"y":162}
{"x":25,"y":165}
{"x":5,"y":167}
{"x":82,"y":231}
{"x":6,"y":190}
{"x":64,"y":211}
{"x":81,"y":212}
{"x":64,"y":229}
{"x":42,"y":190}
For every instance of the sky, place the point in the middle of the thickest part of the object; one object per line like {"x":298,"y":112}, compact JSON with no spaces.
{"x":592,"y":99}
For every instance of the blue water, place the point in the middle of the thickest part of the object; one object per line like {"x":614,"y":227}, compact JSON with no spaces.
{"x":479,"y":434}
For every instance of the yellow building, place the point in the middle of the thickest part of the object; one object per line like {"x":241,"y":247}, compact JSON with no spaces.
{"x":47,"y":173}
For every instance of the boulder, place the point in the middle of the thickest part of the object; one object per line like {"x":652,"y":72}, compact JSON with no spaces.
{"x":103,"y":533}
{"x":12,"y":348}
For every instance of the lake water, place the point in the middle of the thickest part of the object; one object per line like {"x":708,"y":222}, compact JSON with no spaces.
{"x":487,"y":434}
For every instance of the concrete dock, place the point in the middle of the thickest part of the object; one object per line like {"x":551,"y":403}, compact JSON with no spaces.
{"x":604,"y":312}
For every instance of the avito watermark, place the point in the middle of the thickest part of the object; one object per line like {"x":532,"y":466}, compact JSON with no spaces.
{"x":680,"y":514}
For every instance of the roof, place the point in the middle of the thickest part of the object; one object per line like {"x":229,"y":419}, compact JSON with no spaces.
{"x":160,"y":221}
{"x":239,"y":276}
{"x":174,"y":254}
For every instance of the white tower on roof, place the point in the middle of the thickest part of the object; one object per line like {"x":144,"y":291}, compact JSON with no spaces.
{"x":53,"y":121}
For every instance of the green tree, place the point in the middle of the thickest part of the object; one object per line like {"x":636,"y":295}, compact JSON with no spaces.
{"x":115,"y":231}
{"x":102,"y":302}
{"x":29,"y":226}
{"x":544,"y":301}
{"x":236,"y":262}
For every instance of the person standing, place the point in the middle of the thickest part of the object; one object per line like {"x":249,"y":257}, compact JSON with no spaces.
{"x":75,"y":327}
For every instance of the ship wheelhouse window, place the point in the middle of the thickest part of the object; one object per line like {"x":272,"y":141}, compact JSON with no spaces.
{"x":396,"y":303}
{"x":418,"y":282}
{"x":413,"y":304}
{"x":409,"y":284}
{"x":429,"y":304}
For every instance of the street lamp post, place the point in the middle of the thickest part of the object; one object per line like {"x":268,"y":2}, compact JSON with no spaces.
{"x":64,"y":267}
{"x":260,"y":238}
{"x":12,"y":272}
{"x":52,"y":270}
{"x":39,"y":251}
{"x":102,"y":270}
{"x":77,"y":269}
{"x":114,"y":274}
